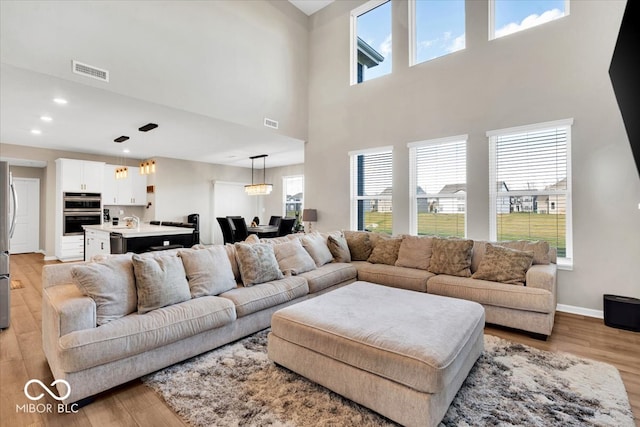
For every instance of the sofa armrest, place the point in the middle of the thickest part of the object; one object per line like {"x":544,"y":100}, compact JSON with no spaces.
{"x":65,"y":309}
{"x":542,"y":276}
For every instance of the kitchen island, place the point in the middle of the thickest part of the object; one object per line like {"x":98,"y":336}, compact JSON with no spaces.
{"x":120,"y":239}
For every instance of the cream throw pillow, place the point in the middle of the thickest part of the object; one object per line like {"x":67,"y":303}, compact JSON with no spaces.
{"x":208,"y":270}
{"x":451,"y":256}
{"x":257,"y":263}
{"x":415,"y":252}
{"x":111,"y":284}
{"x":504,"y":265}
{"x":316,"y":245}
{"x":293,"y":258}
{"x":385,"y":251}
{"x":160,"y":280}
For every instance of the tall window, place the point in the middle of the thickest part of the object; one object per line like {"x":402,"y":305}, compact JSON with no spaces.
{"x":436,"y":28}
{"x":292,"y":194}
{"x":370,"y":41}
{"x":530,"y":184}
{"x":438,"y":170}
{"x":371,"y":190}
{"x":510,"y":16}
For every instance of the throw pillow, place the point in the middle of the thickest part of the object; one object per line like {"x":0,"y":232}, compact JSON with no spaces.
{"x":252,"y":238}
{"x":540,"y":249}
{"x":208,"y":270}
{"x":316,"y":245}
{"x":339,"y":248}
{"x":111,"y":284}
{"x":415,"y":252}
{"x":385,"y":251}
{"x":293,"y":258}
{"x":160,"y":280}
{"x":359,"y":244}
{"x":451,"y":256}
{"x":257,"y":263}
{"x":504,"y":265}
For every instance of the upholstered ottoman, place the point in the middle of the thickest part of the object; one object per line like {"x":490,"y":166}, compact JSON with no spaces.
{"x":401,"y":353}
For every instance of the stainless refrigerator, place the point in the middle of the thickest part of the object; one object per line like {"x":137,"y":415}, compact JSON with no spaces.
{"x":8,"y":207}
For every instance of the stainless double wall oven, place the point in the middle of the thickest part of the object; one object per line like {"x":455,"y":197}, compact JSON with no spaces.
{"x":80,"y":209}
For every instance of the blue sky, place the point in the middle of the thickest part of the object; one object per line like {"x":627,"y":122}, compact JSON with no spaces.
{"x":440,"y":26}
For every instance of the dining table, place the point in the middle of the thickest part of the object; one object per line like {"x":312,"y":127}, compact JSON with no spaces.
{"x":264,"y":230}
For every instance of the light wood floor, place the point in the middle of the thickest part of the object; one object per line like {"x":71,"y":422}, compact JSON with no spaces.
{"x":22,"y":359}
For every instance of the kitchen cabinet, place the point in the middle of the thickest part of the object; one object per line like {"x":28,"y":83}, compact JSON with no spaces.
{"x":80,"y":175}
{"x":71,"y":248}
{"x":96,"y":243}
{"x":129,"y":191}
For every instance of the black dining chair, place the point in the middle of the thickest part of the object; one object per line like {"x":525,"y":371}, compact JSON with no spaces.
{"x":241,"y":231}
{"x":286,"y":226}
{"x":227,"y":232}
{"x":275,"y":220}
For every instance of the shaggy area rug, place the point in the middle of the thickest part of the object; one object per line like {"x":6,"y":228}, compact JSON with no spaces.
{"x":511,"y":384}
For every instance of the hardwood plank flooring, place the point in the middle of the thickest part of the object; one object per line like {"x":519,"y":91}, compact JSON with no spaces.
{"x":133,"y":404}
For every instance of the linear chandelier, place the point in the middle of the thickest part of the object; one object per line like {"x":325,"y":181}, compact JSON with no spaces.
{"x":262,"y":188}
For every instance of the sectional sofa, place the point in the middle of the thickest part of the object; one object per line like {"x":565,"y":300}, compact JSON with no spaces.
{"x":118,"y":317}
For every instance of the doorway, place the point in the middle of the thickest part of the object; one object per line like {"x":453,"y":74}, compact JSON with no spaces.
{"x":26,"y":237}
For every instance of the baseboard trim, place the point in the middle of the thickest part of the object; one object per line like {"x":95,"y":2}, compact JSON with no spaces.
{"x":599,"y":314}
{"x":50,"y":258}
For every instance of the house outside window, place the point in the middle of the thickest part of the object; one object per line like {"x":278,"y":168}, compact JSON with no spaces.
{"x":530,"y":185}
{"x":370,"y":41}
{"x":371,"y":190}
{"x":292,"y":194}
{"x":511,"y":16}
{"x":438,"y":180}
{"x":436,"y":28}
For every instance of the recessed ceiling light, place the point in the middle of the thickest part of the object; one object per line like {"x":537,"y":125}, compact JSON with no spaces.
{"x":46,"y":118}
{"x":60,"y":101}
{"x":126,"y":150}
{"x":36,"y":131}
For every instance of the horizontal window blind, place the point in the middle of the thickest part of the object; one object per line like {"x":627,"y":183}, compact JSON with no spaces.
{"x":372,"y":182}
{"x":530,"y":185}
{"x":440,"y":187}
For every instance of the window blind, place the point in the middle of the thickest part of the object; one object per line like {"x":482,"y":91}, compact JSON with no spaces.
{"x":440,"y":186}
{"x":530,"y":185}
{"x":372,"y":181}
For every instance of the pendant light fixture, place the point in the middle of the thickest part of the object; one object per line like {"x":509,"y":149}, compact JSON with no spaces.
{"x":148,"y":167}
{"x":259,"y":189}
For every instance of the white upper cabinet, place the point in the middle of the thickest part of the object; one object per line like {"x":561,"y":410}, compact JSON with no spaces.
{"x":128,"y":191}
{"x":80,"y":175}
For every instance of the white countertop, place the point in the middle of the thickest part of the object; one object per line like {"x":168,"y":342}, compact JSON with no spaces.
{"x":145,"y":230}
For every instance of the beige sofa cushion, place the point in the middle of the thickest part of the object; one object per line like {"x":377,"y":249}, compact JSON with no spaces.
{"x":160,"y":281}
{"x":329,"y":275}
{"x":339,"y":248}
{"x":451,"y":256}
{"x":293,"y":258}
{"x":390,"y":275}
{"x":359,"y":243}
{"x":385,"y":251}
{"x":415,"y":252}
{"x":504,"y":265}
{"x":135,"y":334}
{"x":111,"y":284}
{"x":257,"y":263}
{"x":262,"y":296}
{"x":208,"y":270}
{"x":316,"y":245}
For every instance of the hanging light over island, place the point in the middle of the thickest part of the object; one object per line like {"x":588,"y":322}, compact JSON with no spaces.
{"x":259,"y":189}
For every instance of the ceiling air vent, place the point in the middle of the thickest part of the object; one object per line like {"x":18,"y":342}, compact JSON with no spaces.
{"x":90,"y":71}
{"x":270,"y":123}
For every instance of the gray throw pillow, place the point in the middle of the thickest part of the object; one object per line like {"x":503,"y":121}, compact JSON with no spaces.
{"x":316,"y":245}
{"x":160,"y":281}
{"x":208,"y":270}
{"x":257,"y":263}
{"x":111,"y":284}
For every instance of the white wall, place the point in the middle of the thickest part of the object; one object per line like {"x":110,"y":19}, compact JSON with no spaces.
{"x":555,"y":71}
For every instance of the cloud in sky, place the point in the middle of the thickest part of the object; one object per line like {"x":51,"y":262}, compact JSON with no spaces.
{"x":385,"y":46}
{"x":529,"y":21}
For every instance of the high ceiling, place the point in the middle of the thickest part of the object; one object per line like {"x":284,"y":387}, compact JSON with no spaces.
{"x":98,"y":112}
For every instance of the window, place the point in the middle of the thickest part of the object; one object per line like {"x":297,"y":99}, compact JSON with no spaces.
{"x":438,"y":186}
{"x":530,"y":184}
{"x":437,"y":28}
{"x":370,"y":41}
{"x":292,"y":194}
{"x":510,"y":16}
{"x":371,"y":190}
